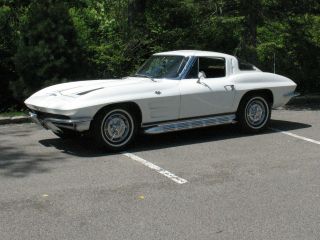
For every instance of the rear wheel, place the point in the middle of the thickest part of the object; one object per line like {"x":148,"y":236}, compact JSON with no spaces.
{"x":254,"y":113}
{"x":114,"y":128}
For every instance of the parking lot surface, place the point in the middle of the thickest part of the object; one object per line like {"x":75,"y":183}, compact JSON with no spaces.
{"x":211,"y":183}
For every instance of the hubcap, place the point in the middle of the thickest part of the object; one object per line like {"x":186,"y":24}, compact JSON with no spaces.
{"x":256,"y":113}
{"x":117,"y":128}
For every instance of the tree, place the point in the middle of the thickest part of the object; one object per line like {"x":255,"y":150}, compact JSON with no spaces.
{"x":7,"y":46}
{"x":47,"y":50}
{"x":48,"y":42}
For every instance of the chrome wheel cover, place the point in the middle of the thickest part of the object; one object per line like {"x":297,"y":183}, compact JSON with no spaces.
{"x":256,"y":112}
{"x":117,"y":127}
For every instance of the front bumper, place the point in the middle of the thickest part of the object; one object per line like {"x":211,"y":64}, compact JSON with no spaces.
{"x":292,"y":94}
{"x":57,"y":125}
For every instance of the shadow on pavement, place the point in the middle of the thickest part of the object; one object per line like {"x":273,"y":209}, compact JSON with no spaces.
{"x":16,"y":162}
{"x":84,"y":147}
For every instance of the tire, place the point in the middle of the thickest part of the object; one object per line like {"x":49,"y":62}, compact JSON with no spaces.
{"x":114,"y":128}
{"x":67,"y":134}
{"x":254,"y":113}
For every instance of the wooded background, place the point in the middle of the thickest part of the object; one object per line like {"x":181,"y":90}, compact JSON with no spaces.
{"x":43,"y":42}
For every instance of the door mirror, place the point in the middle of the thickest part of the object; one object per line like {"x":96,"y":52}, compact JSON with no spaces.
{"x":201,"y":75}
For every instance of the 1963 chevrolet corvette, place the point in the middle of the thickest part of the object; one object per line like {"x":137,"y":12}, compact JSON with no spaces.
{"x":172,"y":91}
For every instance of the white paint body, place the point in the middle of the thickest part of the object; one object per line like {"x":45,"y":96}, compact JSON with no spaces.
{"x":178,"y":98}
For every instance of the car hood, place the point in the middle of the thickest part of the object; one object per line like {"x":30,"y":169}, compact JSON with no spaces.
{"x":80,"y":88}
{"x":84,"y":93}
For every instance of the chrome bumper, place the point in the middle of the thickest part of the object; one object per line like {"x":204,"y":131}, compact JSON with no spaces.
{"x":57,"y":125}
{"x":292,"y":94}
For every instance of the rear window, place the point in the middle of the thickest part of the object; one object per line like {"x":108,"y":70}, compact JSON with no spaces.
{"x":245,"y":66}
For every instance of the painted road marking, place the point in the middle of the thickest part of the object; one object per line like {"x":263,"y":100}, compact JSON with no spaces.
{"x":296,"y":136}
{"x":158,"y":169}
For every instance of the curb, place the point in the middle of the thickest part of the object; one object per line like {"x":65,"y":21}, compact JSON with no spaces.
{"x":13,"y":120}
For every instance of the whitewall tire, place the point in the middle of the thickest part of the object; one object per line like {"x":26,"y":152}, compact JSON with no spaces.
{"x":114,"y":128}
{"x":254,"y":113}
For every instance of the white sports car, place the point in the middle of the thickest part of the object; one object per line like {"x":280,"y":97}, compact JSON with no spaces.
{"x":171,"y":91}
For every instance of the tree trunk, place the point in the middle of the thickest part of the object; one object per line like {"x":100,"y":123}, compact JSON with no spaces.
{"x":251,"y":10}
{"x":136,"y":13}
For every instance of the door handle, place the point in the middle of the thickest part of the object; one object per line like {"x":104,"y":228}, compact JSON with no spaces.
{"x":229,"y":87}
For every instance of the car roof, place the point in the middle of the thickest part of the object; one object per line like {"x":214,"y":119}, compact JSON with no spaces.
{"x":197,"y":53}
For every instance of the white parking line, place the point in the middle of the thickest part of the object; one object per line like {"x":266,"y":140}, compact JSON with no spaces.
{"x":158,"y":169}
{"x":296,"y":136}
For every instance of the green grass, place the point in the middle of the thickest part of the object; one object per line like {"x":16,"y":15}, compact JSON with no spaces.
{"x":12,"y":114}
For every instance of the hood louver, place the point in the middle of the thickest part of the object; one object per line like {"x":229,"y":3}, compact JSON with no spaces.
{"x":89,"y":91}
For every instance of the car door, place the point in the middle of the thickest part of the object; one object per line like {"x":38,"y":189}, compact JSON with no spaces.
{"x":211,"y":94}
{"x":159,"y":101}
{"x":164,"y":103}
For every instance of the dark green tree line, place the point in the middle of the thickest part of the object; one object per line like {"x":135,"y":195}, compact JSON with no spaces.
{"x":53,"y":41}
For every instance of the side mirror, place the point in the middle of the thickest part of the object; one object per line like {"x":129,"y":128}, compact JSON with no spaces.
{"x":201,"y":75}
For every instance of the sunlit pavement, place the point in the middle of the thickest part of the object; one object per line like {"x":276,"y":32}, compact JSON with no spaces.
{"x":213,"y":183}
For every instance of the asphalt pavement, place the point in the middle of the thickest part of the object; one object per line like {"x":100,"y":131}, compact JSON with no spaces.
{"x":212,"y":183}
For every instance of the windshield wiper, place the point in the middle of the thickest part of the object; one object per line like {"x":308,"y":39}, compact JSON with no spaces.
{"x":144,"y":75}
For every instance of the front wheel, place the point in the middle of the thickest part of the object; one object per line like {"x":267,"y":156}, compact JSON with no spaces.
{"x":254,"y":113}
{"x":114,"y":128}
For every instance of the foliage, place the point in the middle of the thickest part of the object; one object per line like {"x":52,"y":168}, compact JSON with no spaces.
{"x":53,"y":41}
{"x":47,"y":51}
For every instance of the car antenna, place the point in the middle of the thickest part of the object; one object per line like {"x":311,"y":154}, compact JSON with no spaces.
{"x":274,"y":62}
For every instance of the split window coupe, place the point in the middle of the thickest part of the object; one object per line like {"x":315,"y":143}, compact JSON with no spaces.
{"x":172,"y":91}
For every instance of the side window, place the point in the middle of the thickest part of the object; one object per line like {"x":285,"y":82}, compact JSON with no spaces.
{"x":193,"y":72}
{"x":212,"y":67}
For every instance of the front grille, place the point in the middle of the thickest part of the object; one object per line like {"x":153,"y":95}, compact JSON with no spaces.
{"x":43,"y":115}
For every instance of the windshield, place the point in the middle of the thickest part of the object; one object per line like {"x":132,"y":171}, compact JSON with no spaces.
{"x":162,"y":67}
